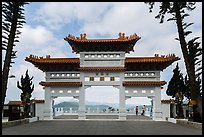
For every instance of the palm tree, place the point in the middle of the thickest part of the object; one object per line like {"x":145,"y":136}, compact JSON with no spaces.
{"x":191,"y":50}
{"x":12,"y":19}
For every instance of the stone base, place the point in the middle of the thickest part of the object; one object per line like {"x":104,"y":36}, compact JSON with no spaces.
{"x":158,"y":119}
{"x":81,"y":116}
{"x":122,"y":116}
{"x":157,"y":116}
{"x":47,"y":118}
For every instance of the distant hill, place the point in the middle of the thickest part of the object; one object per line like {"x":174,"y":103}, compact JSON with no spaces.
{"x":94,"y":106}
{"x":75,"y":106}
{"x":67,"y":104}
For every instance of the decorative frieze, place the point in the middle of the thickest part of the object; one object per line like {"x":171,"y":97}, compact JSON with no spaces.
{"x":140,"y":74}
{"x":62,"y":75}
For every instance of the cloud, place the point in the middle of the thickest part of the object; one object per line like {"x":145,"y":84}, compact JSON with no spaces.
{"x":38,"y":41}
{"x":13,"y":93}
{"x":41,"y":41}
{"x":56,"y":15}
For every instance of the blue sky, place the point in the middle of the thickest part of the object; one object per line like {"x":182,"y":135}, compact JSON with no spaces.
{"x":48,"y":23}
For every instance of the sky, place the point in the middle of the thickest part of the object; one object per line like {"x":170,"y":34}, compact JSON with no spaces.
{"x":48,"y":23}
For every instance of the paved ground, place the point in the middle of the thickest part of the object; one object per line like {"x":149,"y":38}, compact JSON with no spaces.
{"x":129,"y":117}
{"x":140,"y":126}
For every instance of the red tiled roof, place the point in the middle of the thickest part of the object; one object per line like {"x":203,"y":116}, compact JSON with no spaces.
{"x":36,"y":59}
{"x":121,"y":38}
{"x":169,"y":101}
{"x":155,"y":59}
{"x":122,"y":43}
{"x":17,"y":103}
{"x":131,"y":63}
{"x":38,"y":101}
{"x":141,"y":83}
{"x":72,"y":84}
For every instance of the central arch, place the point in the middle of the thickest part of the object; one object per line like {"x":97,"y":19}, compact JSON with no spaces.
{"x":132,"y":102}
{"x":102,"y":102}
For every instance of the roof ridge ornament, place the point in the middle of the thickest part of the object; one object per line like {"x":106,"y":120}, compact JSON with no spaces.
{"x":82,"y":37}
{"x":37,"y":57}
{"x":123,"y":37}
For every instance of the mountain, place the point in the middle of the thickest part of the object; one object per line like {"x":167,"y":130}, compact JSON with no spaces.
{"x":95,"y":105}
{"x":75,"y":105}
{"x":67,"y":104}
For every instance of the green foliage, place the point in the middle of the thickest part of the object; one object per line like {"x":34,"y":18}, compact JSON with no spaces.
{"x":191,"y":49}
{"x":12,"y":15}
{"x":170,"y":8}
{"x":194,"y":52}
{"x":187,"y":92}
{"x":176,"y":87}
{"x":12,"y":20}
{"x":27,"y":89}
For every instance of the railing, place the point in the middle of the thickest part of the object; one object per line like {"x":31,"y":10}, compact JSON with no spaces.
{"x":71,"y":111}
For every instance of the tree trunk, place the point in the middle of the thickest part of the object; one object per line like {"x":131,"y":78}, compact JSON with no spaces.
{"x":6,"y":66}
{"x":194,"y":93}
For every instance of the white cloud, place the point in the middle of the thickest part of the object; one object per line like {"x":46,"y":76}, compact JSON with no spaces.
{"x":57,"y":14}
{"x":13,"y":93}
{"x":40,"y":41}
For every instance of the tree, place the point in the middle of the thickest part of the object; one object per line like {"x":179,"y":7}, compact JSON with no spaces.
{"x":12,"y":20}
{"x":191,"y":50}
{"x":27,"y":89}
{"x":177,"y":89}
{"x":195,"y":116}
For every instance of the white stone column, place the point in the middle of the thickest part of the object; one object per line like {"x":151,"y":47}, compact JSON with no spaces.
{"x":122,"y":107}
{"x":97,"y":110}
{"x":48,"y":111}
{"x":89,"y":110}
{"x":157,"y":111}
{"x":82,"y":109}
{"x":70,"y":110}
{"x":152,"y":106}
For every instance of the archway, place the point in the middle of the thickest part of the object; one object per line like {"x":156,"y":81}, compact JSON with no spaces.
{"x":65,"y":108}
{"x":102,"y":102}
{"x":132,"y":102}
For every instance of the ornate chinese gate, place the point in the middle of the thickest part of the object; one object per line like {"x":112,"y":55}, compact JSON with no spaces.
{"x":102,"y":62}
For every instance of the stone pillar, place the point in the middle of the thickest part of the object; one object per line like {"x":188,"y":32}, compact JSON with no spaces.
{"x":97,"y":110}
{"x":82,"y":109}
{"x":88,"y":110}
{"x":48,"y":111}
{"x":122,"y":107}
{"x":151,"y":109}
{"x":157,"y":111}
{"x":70,"y":110}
